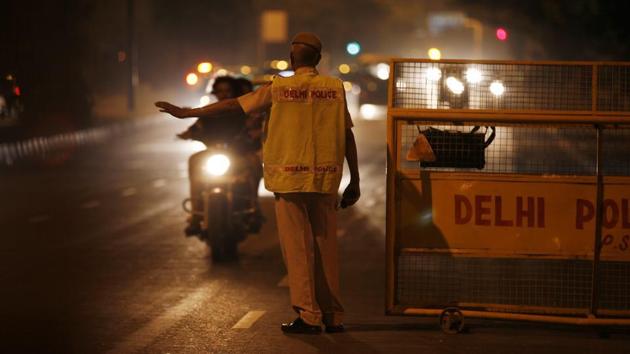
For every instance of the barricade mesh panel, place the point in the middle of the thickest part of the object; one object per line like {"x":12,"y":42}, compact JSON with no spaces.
{"x":531,"y":149}
{"x":613,"y":88}
{"x":518,"y":87}
{"x":615,"y":285}
{"x":437,"y":280}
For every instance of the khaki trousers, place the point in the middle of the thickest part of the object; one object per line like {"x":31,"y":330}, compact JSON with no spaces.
{"x":307,"y":227}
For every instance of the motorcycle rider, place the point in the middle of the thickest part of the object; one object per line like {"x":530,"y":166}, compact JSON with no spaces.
{"x":228,"y":129}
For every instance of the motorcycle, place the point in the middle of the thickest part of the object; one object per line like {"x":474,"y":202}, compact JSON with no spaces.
{"x":230,"y":201}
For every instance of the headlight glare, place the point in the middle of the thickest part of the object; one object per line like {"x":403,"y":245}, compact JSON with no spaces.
{"x":217,"y":165}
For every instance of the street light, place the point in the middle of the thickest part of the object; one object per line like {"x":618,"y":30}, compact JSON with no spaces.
{"x":497,"y":88}
{"x":353,"y":48}
{"x":473,"y":76}
{"x":192,"y":79}
{"x":434,"y":54}
{"x":204,"y":67}
{"x":456,"y":86}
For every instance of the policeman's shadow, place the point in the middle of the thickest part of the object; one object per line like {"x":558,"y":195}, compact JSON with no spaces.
{"x":416,"y":226}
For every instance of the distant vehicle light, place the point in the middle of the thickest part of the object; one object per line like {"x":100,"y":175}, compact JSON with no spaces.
{"x":282,"y":65}
{"x":17,"y":91}
{"x":347,"y":85}
{"x":287,"y":73}
{"x":204,"y":67}
{"x":502,"y":34}
{"x":434,"y":74}
{"x":434,"y":54}
{"x":122,"y":56}
{"x":382,"y":71}
{"x":222,"y":72}
{"x":192,"y":79}
{"x":456,"y":86}
{"x":274,"y":64}
{"x":497,"y":88}
{"x":353,"y":48}
{"x":344,"y":68}
{"x":473,"y":76}
{"x":204,"y":100}
{"x":368,"y":111}
{"x":246,"y":70}
{"x":217,"y":165}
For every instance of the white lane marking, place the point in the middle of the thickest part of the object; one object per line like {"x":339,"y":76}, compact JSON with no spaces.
{"x":159,"y":183}
{"x":284,"y":282}
{"x":249,"y":319}
{"x":141,"y":338}
{"x":38,"y":218}
{"x":91,"y":204}
{"x":129,"y":192}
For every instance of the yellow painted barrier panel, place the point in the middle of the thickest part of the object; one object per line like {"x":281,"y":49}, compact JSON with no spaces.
{"x":511,"y":216}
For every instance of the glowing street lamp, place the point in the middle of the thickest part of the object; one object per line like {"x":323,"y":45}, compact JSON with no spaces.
{"x":497,"y":88}
{"x":473,"y":76}
{"x":456,"y":86}
{"x":204,"y":68}
{"x":434,"y":54}
{"x":192,"y":79}
{"x":353,"y":48}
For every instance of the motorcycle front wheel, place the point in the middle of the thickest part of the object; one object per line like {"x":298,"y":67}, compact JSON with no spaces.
{"x":221,"y":240}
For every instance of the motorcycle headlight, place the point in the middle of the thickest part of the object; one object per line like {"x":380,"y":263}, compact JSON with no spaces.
{"x":217,"y":165}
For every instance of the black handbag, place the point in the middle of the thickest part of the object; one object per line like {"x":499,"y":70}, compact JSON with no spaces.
{"x":458,"y":149}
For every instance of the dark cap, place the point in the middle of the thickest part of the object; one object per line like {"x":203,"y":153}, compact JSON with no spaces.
{"x":308,"y":39}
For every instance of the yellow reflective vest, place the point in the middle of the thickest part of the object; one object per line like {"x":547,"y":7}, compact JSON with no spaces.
{"x":304,"y":146}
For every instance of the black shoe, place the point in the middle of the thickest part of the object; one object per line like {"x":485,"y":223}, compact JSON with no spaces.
{"x":300,"y":327}
{"x":193,"y":229}
{"x":335,"y":329}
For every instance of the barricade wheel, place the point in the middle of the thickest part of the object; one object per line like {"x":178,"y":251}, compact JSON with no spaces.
{"x":452,"y":321}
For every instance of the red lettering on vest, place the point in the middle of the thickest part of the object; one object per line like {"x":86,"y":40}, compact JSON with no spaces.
{"x":324,"y":169}
{"x":297,"y":168}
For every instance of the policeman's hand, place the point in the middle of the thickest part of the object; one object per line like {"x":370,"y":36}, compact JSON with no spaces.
{"x":350,"y":195}
{"x":171,"y":109}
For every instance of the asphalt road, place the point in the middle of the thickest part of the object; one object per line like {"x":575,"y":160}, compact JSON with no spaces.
{"x":93,"y":259}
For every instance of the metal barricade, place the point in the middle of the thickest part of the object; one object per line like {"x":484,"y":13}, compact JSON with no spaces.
{"x":539,"y":229}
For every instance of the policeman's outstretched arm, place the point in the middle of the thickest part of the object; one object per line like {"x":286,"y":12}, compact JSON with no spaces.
{"x":352,"y":192}
{"x":218,"y":109}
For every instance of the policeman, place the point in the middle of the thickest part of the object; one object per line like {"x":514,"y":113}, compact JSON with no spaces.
{"x":308,"y":134}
